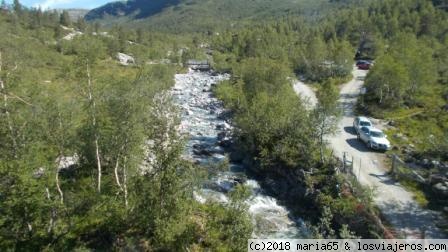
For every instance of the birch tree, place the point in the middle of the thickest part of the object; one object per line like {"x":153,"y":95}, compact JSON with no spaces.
{"x":326,"y":114}
{"x":89,"y":50}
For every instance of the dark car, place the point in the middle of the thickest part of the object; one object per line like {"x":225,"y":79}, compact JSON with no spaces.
{"x":363,"y":64}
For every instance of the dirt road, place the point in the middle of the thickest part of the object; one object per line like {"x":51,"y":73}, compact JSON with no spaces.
{"x":396,"y":204}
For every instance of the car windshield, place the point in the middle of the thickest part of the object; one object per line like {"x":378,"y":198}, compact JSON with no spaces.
{"x":365,"y":129}
{"x":365,"y":123}
{"x":378,"y":134}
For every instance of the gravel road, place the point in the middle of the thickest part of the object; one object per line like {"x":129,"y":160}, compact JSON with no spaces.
{"x":396,"y":204}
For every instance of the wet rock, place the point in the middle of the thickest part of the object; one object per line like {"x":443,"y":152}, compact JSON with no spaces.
{"x":240,"y":180}
{"x":444,"y":167}
{"x":222,"y":135}
{"x":202,"y":152}
{"x":441,"y":190}
{"x":215,"y":187}
{"x":227,"y":143}
{"x":219,"y":157}
{"x":224,"y":115}
{"x":437,"y":178}
{"x":216,"y":150}
{"x":424,"y":163}
{"x":199,"y":146}
{"x":223,"y":126}
{"x":435,"y":163}
{"x":236,"y":156}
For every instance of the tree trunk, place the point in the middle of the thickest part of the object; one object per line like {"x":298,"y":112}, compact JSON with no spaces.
{"x":125,"y":181}
{"x":322,"y":159}
{"x":93,"y":114}
{"x":58,"y":186}
{"x":61,"y":154}
{"x":117,"y":178}
{"x":98,"y":163}
{"x":381,"y":95}
{"x":53,"y":214}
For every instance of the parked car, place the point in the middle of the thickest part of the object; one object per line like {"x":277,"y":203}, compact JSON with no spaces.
{"x":361,"y":121}
{"x":374,"y":138}
{"x":363,"y":64}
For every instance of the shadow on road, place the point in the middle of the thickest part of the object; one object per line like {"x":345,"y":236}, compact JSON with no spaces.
{"x":413,"y":222}
{"x":384,"y":178}
{"x":357,"y":144}
{"x":350,"y":130}
{"x":347,"y":108}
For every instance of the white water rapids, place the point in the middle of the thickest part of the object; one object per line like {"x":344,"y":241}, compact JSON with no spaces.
{"x":203,"y":120}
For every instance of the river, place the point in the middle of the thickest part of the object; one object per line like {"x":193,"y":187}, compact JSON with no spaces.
{"x":209,"y":133}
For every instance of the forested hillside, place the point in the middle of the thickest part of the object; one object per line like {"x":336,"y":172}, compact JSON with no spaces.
{"x":74,"y":130}
{"x":183,"y":16}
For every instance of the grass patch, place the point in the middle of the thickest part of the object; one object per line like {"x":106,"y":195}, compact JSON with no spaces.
{"x":417,"y":191}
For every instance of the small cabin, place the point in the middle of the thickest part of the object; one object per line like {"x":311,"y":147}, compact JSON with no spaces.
{"x":202,"y":65}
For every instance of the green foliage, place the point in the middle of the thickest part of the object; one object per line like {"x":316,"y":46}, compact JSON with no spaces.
{"x":65,"y":19}
{"x":326,"y":114}
{"x":146,"y":198}
{"x":296,"y":47}
{"x":386,"y":83}
{"x":233,"y":226}
{"x":408,"y":80}
{"x":275,"y":127}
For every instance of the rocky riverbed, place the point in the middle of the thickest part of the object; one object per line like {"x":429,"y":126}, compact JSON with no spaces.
{"x":209,"y":128}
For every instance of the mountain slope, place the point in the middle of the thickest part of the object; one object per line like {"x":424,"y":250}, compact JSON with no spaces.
{"x":188,"y":15}
{"x":135,"y":8}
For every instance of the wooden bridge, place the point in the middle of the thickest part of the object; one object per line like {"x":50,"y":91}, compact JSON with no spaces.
{"x":202,"y":65}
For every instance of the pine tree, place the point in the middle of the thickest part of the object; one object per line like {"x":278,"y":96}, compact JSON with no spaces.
{"x":64,"y":18}
{"x":17,"y":7}
{"x":81,"y":24}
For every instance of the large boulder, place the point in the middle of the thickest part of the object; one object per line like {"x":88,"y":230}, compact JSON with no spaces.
{"x":72,"y":35}
{"x":125,"y":59}
{"x":67,"y":162}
